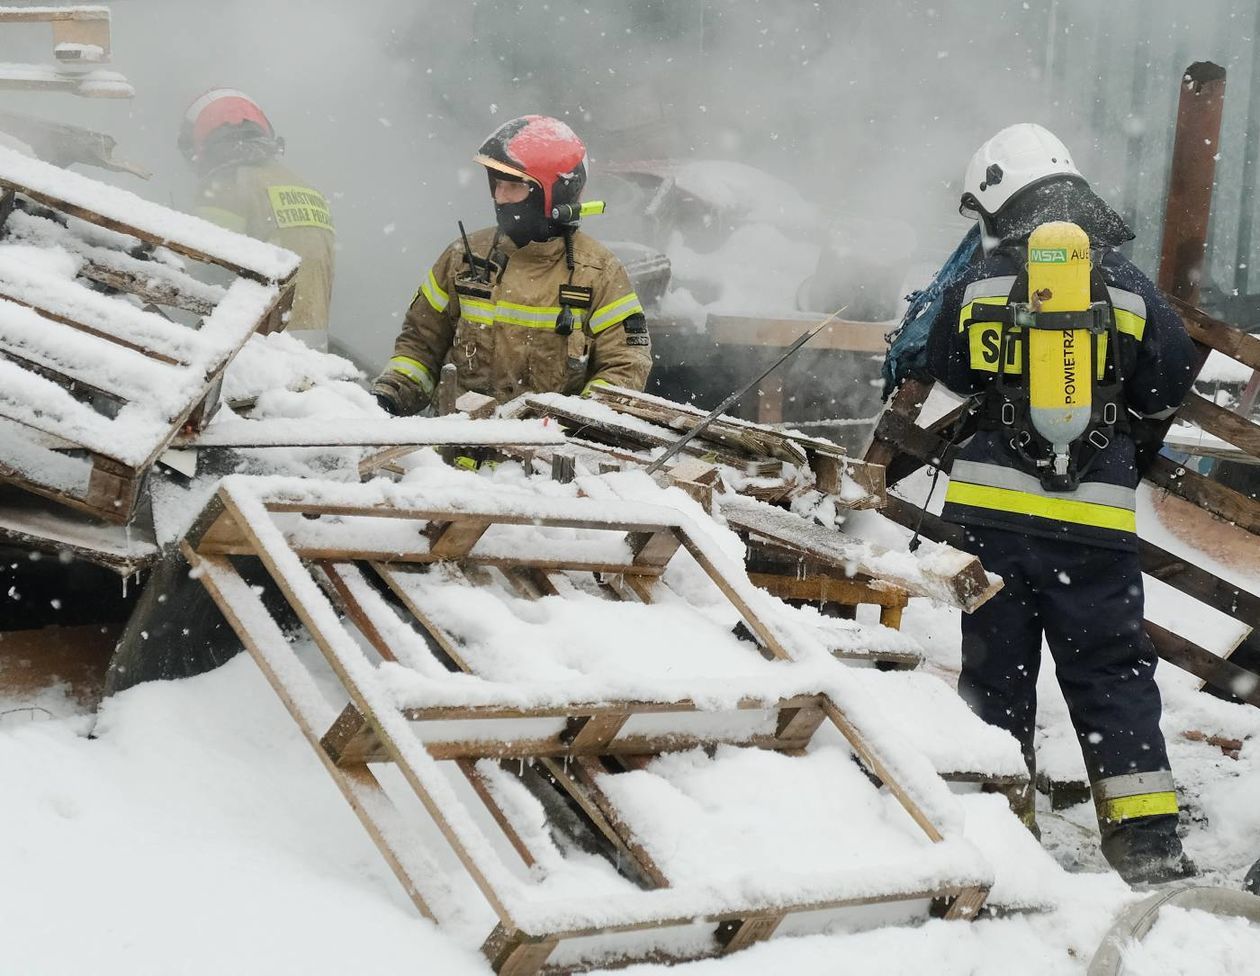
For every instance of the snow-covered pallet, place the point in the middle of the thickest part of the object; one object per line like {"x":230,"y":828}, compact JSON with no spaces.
{"x":938,"y":572}
{"x":81,"y":40}
{"x":767,"y":463}
{"x":553,"y":677}
{"x":94,"y":385}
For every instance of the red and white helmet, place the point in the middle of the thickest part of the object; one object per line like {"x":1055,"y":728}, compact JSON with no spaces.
{"x":213,"y":110}
{"x":541,"y":150}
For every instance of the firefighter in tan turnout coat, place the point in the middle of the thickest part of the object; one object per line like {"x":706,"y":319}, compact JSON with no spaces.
{"x":244,"y":187}
{"x":532,"y":305}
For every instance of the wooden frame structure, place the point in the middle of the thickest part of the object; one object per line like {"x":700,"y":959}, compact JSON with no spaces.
{"x":95,"y":386}
{"x":357,"y":586}
{"x":81,"y":41}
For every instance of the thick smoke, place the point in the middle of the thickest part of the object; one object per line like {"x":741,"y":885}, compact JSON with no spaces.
{"x":869,"y":108}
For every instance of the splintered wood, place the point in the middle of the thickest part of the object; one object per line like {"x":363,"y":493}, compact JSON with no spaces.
{"x":458,"y":626}
{"x":1219,"y":512}
{"x":94,"y":386}
{"x":765,"y":462}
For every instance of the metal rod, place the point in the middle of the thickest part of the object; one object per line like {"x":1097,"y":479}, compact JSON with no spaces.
{"x":686,"y":439}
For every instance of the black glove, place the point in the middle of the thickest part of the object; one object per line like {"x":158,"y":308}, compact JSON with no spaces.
{"x":387,"y":402}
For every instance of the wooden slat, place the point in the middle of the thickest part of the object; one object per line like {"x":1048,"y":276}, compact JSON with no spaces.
{"x":478,"y":782}
{"x":326,"y":642}
{"x":1202,"y":663}
{"x":1216,"y":334}
{"x":586,"y":771}
{"x":967,"y":588}
{"x":1211,"y":496}
{"x":454,"y":540}
{"x":1225,"y":424}
{"x":870,"y":759}
{"x":245,"y":612}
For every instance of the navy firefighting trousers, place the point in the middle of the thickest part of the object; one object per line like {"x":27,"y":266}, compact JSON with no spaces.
{"x":1088,"y":602}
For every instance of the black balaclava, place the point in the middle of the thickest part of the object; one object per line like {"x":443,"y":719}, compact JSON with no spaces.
{"x":525,"y":221}
{"x":1065,"y":198}
{"x":237,"y":145}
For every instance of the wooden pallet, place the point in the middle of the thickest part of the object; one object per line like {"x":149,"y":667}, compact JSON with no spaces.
{"x":81,"y":41}
{"x":635,"y":422}
{"x":366,"y":577}
{"x":94,"y":386}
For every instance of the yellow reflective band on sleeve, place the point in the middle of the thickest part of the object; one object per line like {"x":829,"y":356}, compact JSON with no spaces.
{"x":586,"y":390}
{"x":1024,"y":503}
{"x":609,"y":315}
{"x":1139,"y":805}
{"x":434,"y":293}
{"x":414,"y":370}
{"x":299,"y":206}
{"x":227,"y":219}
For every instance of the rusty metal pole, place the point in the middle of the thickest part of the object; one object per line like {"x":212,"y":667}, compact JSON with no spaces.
{"x":1195,"y":147}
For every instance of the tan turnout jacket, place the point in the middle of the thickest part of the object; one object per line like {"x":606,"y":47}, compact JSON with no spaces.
{"x":502,"y":336}
{"x":267,"y":200}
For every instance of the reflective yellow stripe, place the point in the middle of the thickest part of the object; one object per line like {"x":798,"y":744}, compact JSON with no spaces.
{"x":1130,"y":323}
{"x":1139,"y":805}
{"x":299,"y":206}
{"x":414,"y":370}
{"x":508,"y":313}
{"x":586,"y":390}
{"x":434,"y":293}
{"x":224,"y":218}
{"x":1022,"y":503}
{"x":609,"y":315}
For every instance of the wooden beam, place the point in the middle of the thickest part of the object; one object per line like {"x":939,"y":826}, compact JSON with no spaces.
{"x":1211,"y":496}
{"x":1225,"y":424}
{"x":1216,"y":334}
{"x":1215,"y":670}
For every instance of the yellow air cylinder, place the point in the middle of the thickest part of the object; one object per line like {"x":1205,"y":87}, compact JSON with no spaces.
{"x":1060,"y":361}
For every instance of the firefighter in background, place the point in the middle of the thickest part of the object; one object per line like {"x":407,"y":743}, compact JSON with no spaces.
{"x":244,"y":187}
{"x":531,"y":305}
{"x":1057,"y":520}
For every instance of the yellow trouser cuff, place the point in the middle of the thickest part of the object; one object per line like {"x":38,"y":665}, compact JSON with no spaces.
{"x":1139,"y":805}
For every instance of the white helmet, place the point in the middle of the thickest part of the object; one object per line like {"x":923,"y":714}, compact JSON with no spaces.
{"x":1016,"y":158}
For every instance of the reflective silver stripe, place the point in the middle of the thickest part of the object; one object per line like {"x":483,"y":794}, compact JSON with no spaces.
{"x":1133,"y":784}
{"x":988,"y":288}
{"x":999,"y":476}
{"x":1127,"y":301}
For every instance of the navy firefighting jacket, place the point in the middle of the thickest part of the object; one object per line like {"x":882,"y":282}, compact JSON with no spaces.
{"x":990,"y":485}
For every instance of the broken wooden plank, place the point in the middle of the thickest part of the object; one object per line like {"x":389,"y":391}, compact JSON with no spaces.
{"x":951,"y":576}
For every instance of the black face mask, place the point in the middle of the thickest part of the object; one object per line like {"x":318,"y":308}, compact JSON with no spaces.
{"x":524,"y":222}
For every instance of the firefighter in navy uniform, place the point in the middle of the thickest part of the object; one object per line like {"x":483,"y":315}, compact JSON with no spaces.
{"x":532,"y":305}
{"x":1057,"y":521}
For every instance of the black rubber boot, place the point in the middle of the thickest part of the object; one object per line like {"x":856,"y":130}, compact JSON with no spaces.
{"x":1146,"y":850}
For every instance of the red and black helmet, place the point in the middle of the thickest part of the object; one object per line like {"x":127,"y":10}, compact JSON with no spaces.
{"x":540,"y":150}
{"x":213,"y":110}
